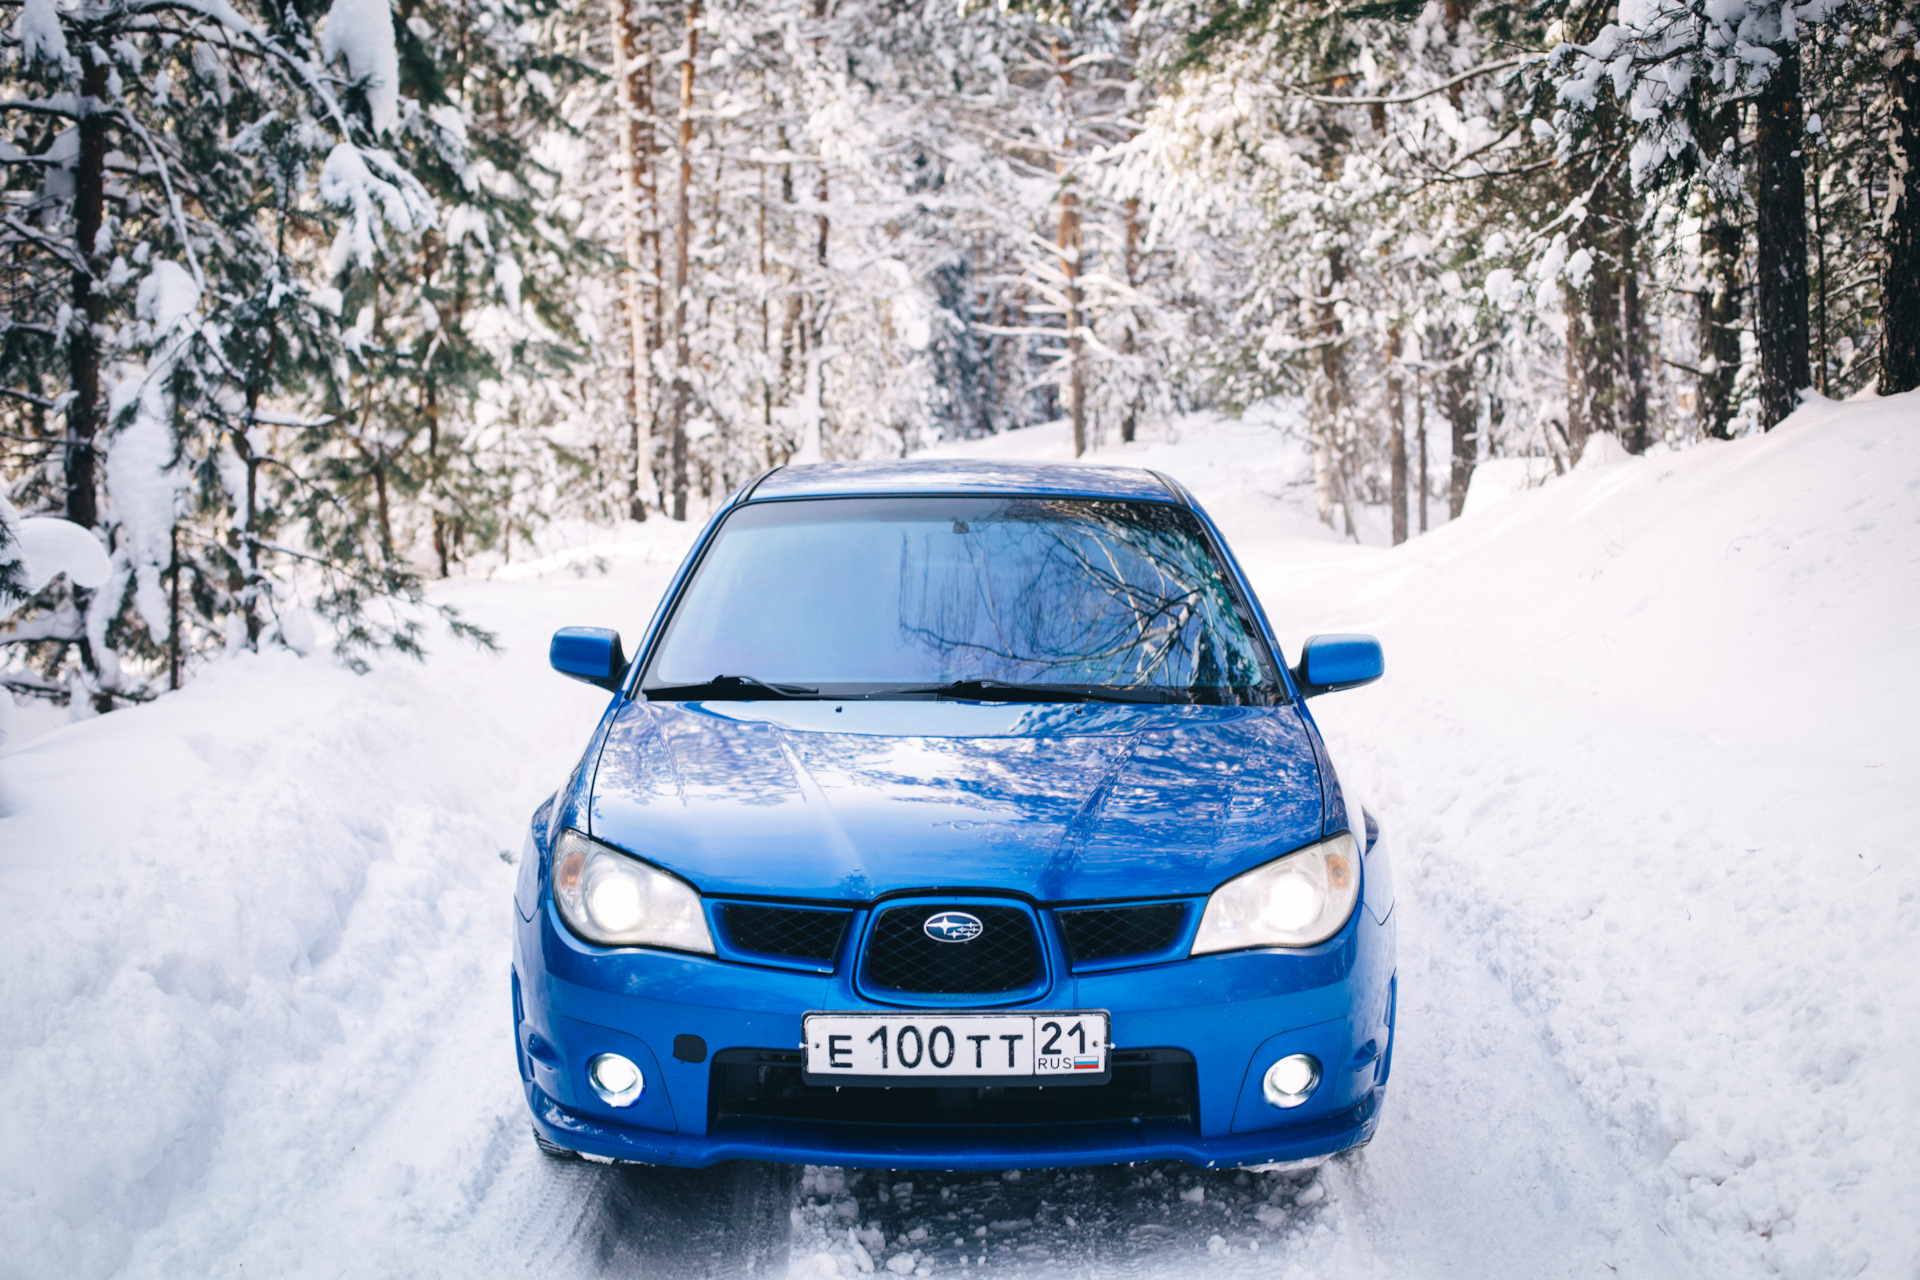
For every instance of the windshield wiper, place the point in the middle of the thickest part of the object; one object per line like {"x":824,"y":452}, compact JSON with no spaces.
{"x":988,"y":690}
{"x":729,"y":689}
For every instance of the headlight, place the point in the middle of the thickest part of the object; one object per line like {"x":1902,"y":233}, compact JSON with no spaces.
{"x":1295,"y":901}
{"x":617,"y":901}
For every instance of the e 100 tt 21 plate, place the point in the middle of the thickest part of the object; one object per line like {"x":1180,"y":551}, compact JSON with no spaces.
{"x":958,"y":1049}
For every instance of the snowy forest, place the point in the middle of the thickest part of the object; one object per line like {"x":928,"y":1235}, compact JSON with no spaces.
{"x":304,"y":305}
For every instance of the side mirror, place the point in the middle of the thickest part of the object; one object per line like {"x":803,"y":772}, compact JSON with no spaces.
{"x":592,"y":654}
{"x":1328,"y":663}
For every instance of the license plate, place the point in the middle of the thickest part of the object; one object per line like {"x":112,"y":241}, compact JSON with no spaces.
{"x":963,"y":1048}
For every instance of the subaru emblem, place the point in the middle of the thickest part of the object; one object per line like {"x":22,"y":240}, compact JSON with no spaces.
{"x":953,"y":926}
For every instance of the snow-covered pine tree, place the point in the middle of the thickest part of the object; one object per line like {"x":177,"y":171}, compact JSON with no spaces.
{"x":481,"y":306}
{"x":1899,"y":49}
{"x":185,"y":176}
{"x":1665,"y":77}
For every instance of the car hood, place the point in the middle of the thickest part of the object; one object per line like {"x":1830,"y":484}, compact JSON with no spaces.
{"x":848,"y":801}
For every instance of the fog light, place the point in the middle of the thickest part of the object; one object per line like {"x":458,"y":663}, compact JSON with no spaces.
{"x":616,"y":1080}
{"x":1291,"y":1081}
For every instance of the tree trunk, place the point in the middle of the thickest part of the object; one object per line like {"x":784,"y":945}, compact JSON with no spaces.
{"x":1455,"y":390}
{"x":822,"y":224}
{"x":1720,"y":301}
{"x":1331,"y":390}
{"x":1820,"y":267}
{"x":1633,"y":338}
{"x":1460,"y":407}
{"x":1594,"y":363}
{"x":1069,"y":250}
{"x":790,"y":314}
{"x":381,"y":509}
{"x":1900,"y":284}
{"x":633,"y":77}
{"x":766,"y":317}
{"x":1593,"y":351}
{"x":1067,"y":245}
{"x":1780,"y":319}
{"x":1396,"y":438}
{"x":1131,"y":261}
{"x":1129,"y":421}
{"x":84,"y":417}
{"x":683,"y":352}
{"x":250,"y":527}
{"x":656,"y":291}
{"x":173,"y":607}
{"x":820,"y":191}
{"x":1420,"y":440}
{"x":1720,"y":326}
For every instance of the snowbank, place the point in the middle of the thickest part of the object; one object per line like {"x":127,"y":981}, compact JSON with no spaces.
{"x":1648,"y":743}
{"x":253,"y":952}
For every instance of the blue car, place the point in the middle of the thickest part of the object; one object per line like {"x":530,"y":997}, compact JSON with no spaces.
{"x":956,"y":816}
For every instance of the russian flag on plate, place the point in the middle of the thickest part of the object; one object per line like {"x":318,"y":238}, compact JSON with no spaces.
{"x":1086,"y":1064}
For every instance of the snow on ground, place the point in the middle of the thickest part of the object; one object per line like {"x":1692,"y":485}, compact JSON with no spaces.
{"x":1646,"y":751}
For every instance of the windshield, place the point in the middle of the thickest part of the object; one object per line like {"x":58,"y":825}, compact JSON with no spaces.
{"x":920,"y":597}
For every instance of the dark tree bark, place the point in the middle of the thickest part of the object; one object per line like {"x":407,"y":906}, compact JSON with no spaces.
{"x":1453,"y":396}
{"x":1720,"y":298}
{"x":1593,"y":354}
{"x":1456,"y":399}
{"x":1633,"y":338}
{"x":1720,"y":330}
{"x":173,"y":607}
{"x":1594,"y":365}
{"x":1396,"y":438}
{"x":1330,"y":395}
{"x":1067,"y":247}
{"x":1131,"y":261}
{"x":1900,"y":284}
{"x":683,"y":351}
{"x":633,"y":95}
{"x":84,"y":417}
{"x":1420,"y":440}
{"x":1780,"y":206}
{"x":249,"y":533}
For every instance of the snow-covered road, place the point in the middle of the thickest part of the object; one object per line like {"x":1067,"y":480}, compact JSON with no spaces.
{"x":1646,"y":751}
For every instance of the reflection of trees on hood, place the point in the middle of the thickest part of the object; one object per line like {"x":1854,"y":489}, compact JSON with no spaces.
{"x":1081,"y":593}
{"x":1082,"y":785}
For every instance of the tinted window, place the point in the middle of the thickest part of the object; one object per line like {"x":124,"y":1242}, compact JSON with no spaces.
{"x":870,"y":595}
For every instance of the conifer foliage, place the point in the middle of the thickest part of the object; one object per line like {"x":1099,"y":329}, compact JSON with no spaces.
{"x":252,"y":289}
{"x":306,"y":302}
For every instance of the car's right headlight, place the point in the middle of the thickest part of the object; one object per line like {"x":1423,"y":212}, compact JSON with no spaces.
{"x":616,"y":900}
{"x":1296,"y":901}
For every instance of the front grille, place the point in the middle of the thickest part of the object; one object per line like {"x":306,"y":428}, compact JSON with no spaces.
{"x":765,"y":1084}
{"x":796,"y":933}
{"x":1106,"y":933}
{"x":901,"y":957}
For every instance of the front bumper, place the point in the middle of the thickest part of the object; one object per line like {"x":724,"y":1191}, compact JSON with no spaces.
{"x":1232,"y":1016}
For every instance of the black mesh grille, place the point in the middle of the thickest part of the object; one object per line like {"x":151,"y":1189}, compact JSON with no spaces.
{"x":766,"y":1084}
{"x":1104,"y":933}
{"x":1004,"y":957}
{"x":794,"y":932}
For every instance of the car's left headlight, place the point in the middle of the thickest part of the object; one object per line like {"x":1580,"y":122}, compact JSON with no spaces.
{"x":616,"y":900}
{"x":1296,"y":901}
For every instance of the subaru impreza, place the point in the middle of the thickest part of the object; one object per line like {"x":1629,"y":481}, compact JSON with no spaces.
{"x":956,"y":815}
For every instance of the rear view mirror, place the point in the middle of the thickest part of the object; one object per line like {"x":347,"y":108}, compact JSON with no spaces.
{"x":592,"y":654}
{"x":1329,"y":663}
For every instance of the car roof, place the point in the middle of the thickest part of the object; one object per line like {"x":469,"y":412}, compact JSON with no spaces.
{"x":874,"y":478}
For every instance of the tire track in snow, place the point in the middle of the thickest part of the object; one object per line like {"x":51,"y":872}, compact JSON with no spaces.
{"x":1122,"y":1220}
{"x":635,"y":1221}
